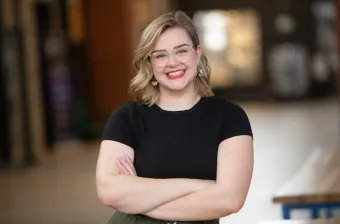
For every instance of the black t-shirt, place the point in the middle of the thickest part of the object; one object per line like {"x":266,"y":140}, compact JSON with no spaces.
{"x":177,"y":144}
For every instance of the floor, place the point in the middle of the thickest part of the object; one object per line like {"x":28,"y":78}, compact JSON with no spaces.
{"x":62,"y":190}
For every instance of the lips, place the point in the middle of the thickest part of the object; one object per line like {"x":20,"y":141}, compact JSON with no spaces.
{"x":175,"y":74}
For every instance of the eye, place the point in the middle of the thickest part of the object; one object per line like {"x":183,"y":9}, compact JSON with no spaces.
{"x":160,"y":56}
{"x":182,"y":51}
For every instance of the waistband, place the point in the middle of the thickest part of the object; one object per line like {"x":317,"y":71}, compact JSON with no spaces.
{"x":147,"y":218}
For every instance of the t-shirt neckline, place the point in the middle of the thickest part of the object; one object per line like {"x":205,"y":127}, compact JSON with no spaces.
{"x":179,"y":112}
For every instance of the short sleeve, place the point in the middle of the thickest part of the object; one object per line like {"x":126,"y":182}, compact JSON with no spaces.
{"x":119,"y":126}
{"x":235,"y":122}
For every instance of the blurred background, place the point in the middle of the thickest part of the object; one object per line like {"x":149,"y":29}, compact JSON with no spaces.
{"x":65,"y":66}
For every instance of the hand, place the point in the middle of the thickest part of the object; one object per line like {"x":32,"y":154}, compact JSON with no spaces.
{"x":125,"y":166}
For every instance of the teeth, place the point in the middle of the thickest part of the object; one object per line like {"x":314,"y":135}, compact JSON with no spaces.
{"x":175,"y":73}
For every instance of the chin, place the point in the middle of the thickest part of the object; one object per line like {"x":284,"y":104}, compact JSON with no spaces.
{"x":177,"y":86}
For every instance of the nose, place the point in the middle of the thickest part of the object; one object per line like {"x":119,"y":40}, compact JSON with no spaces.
{"x":172,"y":60}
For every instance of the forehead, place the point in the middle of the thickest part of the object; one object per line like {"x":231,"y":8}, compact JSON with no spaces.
{"x":171,"y":38}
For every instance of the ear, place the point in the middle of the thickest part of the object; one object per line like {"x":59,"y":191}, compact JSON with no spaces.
{"x":198,"y":52}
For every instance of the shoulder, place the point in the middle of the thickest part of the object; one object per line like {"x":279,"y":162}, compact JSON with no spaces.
{"x":232,"y":117}
{"x":223,"y":106}
{"x":127,"y":106}
{"x":124,"y":111}
{"x":120,"y":125}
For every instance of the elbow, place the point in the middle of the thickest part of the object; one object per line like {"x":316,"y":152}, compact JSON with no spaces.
{"x":115,"y":201}
{"x":105,"y":194}
{"x":235,"y":207}
{"x":106,"y":198}
{"x":232,"y":207}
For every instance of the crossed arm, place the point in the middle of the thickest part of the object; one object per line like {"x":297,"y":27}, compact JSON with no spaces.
{"x":176,"y":199}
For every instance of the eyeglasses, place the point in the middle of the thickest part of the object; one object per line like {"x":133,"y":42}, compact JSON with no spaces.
{"x":161,"y":58}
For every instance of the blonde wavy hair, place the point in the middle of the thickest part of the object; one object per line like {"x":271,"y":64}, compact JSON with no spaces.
{"x":141,"y":88}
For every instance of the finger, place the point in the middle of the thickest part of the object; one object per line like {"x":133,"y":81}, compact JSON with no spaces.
{"x":120,"y":168}
{"x":131,"y":164}
{"x":126,"y":165}
{"x":123,"y":169}
{"x":132,"y":167}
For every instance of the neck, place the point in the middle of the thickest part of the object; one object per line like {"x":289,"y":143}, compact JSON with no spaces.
{"x":176,"y":101}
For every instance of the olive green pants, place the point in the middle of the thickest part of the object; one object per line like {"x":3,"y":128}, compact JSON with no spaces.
{"x":121,"y":218}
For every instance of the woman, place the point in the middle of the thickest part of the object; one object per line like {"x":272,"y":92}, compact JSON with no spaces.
{"x":178,"y":154}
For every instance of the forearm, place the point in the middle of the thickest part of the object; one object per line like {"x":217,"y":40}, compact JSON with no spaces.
{"x":206,"y":204}
{"x":131,"y":194}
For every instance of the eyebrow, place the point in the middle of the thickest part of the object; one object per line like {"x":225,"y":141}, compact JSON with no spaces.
{"x":176,"y":47}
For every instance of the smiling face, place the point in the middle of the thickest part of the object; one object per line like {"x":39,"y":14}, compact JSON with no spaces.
{"x":174,"y":60}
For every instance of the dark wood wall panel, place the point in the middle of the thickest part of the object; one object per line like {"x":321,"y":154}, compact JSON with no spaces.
{"x":109,"y":33}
